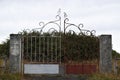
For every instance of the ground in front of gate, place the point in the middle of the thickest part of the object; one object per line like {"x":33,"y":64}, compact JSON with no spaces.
{"x":55,"y":77}
{"x":96,"y":76}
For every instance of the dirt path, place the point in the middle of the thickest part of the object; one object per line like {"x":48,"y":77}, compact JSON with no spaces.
{"x":70,"y":77}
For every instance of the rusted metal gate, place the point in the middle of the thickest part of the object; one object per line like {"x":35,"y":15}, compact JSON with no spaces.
{"x":41,"y":49}
{"x":81,"y":53}
{"x":45,"y":49}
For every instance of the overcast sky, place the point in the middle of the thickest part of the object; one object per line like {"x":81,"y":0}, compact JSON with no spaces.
{"x":100,"y":15}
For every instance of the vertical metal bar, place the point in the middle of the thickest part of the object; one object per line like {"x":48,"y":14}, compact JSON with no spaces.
{"x":44,"y":49}
{"x":51,"y":49}
{"x":31,"y":48}
{"x":60,"y":37}
{"x":56,"y":48}
{"x":39,"y":47}
{"x":27,"y":49}
{"x":35,"y":48}
{"x":48,"y":49}
{"x":60,"y":48}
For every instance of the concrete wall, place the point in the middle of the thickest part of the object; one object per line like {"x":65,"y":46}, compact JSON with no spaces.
{"x":15,"y":53}
{"x":105,"y":53}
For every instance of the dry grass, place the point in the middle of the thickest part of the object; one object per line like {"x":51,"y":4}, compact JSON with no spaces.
{"x":1,"y":62}
{"x":99,"y":76}
{"x":4,"y":75}
{"x":7,"y":76}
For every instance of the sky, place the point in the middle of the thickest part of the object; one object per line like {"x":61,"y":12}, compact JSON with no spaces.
{"x":100,"y":15}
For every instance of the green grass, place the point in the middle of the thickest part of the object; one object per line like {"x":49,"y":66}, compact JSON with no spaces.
{"x":8,"y":76}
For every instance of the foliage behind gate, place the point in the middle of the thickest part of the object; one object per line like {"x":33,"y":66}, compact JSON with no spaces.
{"x":74,"y":47}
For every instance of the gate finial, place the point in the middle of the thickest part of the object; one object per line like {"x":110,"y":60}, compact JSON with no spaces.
{"x":65,"y":15}
{"x":59,"y":11}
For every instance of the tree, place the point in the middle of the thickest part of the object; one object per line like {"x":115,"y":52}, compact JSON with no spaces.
{"x":4,"y":48}
{"x":115,"y":54}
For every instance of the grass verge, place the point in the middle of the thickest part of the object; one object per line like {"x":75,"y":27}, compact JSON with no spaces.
{"x":8,"y":76}
{"x":104,"y":77}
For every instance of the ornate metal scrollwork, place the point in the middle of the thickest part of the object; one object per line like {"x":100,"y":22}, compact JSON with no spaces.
{"x":79,"y":27}
{"x":66,"y":25}
{"x":56,"y":22}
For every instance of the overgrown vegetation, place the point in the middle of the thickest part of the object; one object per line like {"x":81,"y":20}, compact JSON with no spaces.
{"x":74,"y":47}
{"x":87,"y":46}
{"x":80,"y":47}
{"x":115,"y":54}
{"x":4,"y":48}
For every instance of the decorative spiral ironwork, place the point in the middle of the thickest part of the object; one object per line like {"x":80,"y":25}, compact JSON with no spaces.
{"x":79,"y":27}
{"x":57,"y":22}
{"x":66,"y":24}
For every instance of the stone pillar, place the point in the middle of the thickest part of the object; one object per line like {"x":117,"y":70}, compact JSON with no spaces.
{"x":15,"y":53}
{"x":105,"y":53}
